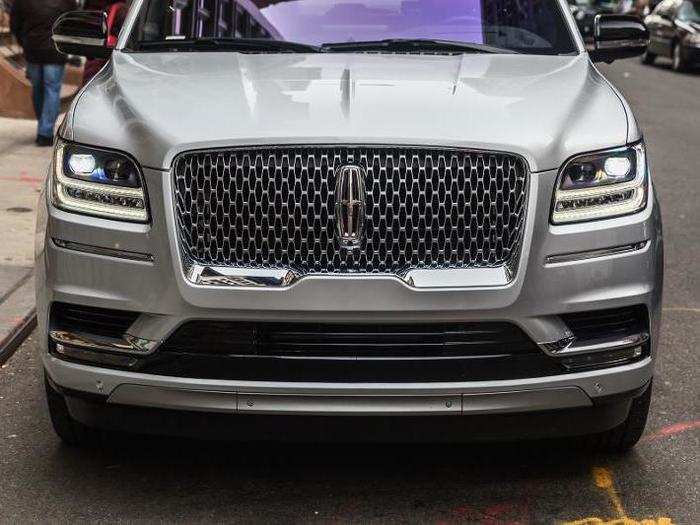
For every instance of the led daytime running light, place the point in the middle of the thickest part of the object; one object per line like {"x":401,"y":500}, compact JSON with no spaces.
{"x":93,"y":198}
{"x":606,"y":200}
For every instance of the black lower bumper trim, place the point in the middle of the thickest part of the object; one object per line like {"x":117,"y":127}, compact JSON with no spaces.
{"x":353,"y":371}
{"x":621,"y":397}
{"x":95,"y":412}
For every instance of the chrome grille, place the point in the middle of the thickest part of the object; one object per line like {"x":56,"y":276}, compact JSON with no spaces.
{"x":273,"y":207}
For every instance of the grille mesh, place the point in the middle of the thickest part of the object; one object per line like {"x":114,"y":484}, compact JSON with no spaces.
{"x":483,"y":339}
{"x":425,"y":208}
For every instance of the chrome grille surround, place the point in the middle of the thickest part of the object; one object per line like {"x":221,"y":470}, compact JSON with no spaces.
{"x":272,"y":207}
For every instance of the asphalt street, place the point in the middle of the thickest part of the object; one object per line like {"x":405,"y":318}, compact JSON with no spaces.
{"x":159,"y":479}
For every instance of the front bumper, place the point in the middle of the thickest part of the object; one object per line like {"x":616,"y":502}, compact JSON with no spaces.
{"x":96,"y":411}
{"x":535,"y":394}
{"x":539,"y":292}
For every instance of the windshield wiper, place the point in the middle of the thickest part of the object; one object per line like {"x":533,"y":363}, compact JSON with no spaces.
{"x":412,"y":45}
{"x":251,"y":45}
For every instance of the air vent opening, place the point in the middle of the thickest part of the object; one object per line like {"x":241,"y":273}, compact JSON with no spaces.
{"x":487,"y":339}
{"x":82,"y":319}
{"x":614,"y":322}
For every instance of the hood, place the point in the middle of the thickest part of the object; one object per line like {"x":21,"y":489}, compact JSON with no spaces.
{"x":156,"y":105}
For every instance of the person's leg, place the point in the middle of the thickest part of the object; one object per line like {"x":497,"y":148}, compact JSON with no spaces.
{"x":36,"y":77}
{"x":53,"y":79}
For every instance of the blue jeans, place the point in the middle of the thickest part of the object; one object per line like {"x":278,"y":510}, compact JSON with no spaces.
{"x":46,"y":94}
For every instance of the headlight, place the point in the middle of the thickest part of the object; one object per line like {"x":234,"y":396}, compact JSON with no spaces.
{"x":98,"y":182}
{"x":601,"y":185}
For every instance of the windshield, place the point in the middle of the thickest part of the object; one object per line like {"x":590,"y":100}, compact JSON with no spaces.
{"x":689,"y":12}
{"x":524,"y":26}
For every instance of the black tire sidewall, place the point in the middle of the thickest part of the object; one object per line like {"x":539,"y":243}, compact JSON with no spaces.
{"x":625,"y":436}
{"x":70,"y":431}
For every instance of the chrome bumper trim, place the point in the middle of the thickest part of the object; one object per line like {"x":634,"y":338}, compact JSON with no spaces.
{"x":127,"y":345}
{"x":594,"y":254}
{"x":239,"y":277}
{"x":356,"y":405}
{"x":605,"y":344}
{"x":271,"y":278}
{"x":570,"y":346}
{"x":99,"y":250}
{"x":459,"y":278}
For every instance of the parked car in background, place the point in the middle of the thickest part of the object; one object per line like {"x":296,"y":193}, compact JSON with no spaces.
{"x":674,"y":32}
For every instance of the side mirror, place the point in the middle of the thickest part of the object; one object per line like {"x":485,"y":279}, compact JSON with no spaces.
{"x":82,"y":33}
{"x":618,"y":36}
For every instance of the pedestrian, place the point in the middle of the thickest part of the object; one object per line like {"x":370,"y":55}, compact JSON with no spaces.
{"x":31,"y":22}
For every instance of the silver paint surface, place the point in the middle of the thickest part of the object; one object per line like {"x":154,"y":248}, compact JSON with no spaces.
{"x":156,"y":105}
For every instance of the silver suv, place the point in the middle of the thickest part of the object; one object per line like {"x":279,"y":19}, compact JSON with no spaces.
{"x":277,"y":220}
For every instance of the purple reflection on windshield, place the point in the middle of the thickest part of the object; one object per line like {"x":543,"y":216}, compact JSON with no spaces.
{"x":320,"y":21}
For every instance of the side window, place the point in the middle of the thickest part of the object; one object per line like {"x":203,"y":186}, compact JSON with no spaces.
{"x":689,"y":11}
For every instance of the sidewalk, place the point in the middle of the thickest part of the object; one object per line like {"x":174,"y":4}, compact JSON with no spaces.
{"x":22,"y":172}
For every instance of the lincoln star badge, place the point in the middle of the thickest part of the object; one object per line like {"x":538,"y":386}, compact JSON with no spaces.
{"x":350,"y":206}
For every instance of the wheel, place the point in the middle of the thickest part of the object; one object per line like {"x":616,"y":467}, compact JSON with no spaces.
{"x":70,"y":431}
{"x":648,"y":57}
{"x":625,"y":436}
{"x":679,"y":63}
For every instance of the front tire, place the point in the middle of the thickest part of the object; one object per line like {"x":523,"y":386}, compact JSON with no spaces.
{"x":648,"y":58}
{"x":71,"y":432}
{"x":679,"y":62}
{"x":625,"y":436}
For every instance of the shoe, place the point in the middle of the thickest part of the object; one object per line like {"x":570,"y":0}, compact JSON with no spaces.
{"x":44,"y":141}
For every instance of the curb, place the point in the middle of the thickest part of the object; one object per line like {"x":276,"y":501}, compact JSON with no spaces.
{"x":17,"y":317}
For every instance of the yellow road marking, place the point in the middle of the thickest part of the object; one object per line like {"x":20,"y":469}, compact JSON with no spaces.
{"x":621,"y":521}
{"x":603,"y":479}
